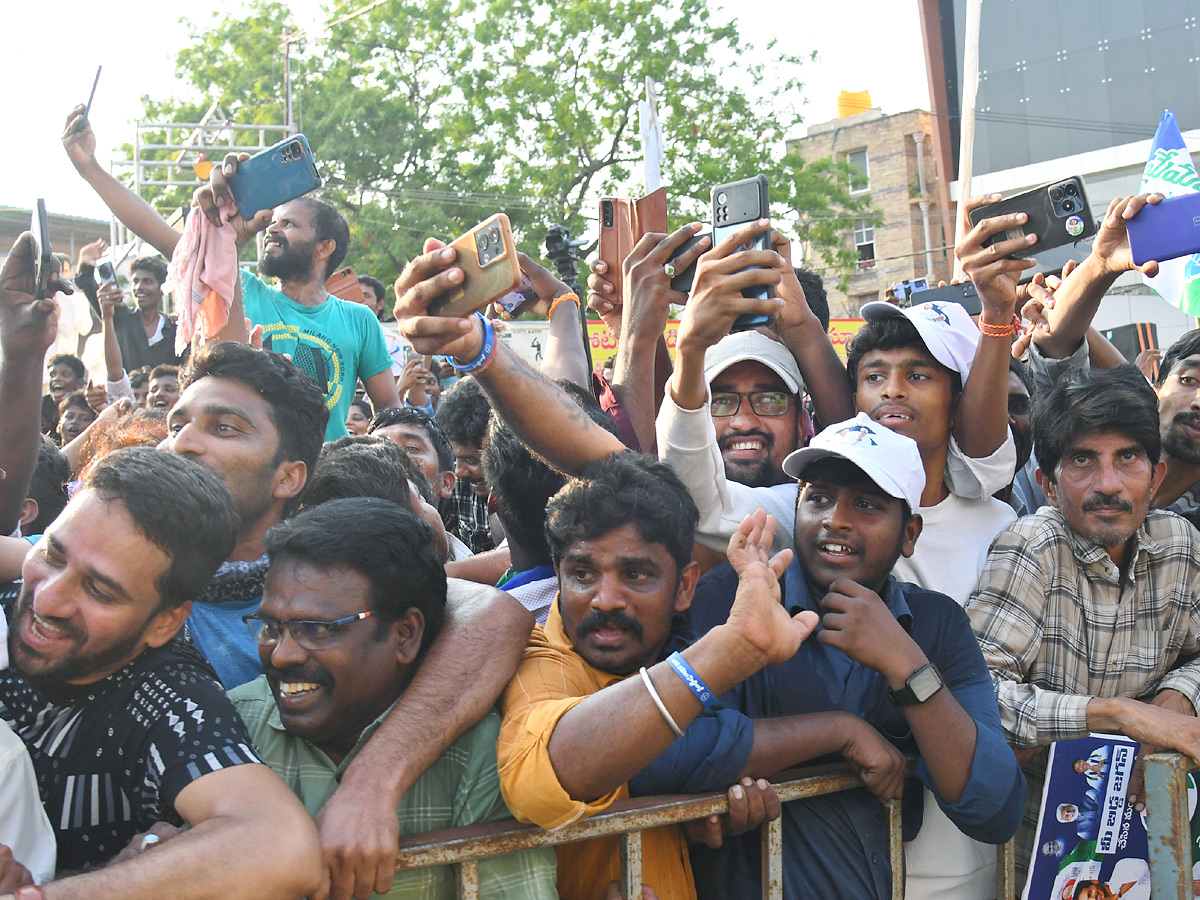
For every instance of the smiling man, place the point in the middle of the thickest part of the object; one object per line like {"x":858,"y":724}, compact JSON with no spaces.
{"x":353,"y":597}
{"x":127,"y":725}
{"x":1086,"y":610}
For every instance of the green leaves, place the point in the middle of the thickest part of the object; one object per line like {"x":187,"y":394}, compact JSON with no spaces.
{"x":426,"y":117}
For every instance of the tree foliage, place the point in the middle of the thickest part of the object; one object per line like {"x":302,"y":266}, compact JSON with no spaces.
{"x":429,"y":115}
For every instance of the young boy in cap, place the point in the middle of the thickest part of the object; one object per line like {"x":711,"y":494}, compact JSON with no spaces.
{"x":883,"y":654}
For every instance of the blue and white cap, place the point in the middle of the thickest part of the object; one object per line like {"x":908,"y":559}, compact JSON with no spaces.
{"x":889,"y":459}
{"x":949,"y":332}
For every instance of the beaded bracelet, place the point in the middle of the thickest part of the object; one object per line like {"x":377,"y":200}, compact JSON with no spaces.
{"x":486,"y":354}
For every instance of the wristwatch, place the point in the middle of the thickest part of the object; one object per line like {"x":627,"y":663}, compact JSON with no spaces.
{"x":920,"y":686}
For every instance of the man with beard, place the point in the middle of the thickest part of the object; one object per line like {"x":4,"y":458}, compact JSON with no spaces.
{"x":1085,"y":610}
{"x":127,"y":725}
{"x":335,"y":342}
{"x":757,"y":407}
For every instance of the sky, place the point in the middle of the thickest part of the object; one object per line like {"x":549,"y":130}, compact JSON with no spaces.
{"x":136,"y":42}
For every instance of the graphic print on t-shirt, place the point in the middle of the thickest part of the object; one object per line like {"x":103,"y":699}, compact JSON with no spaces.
{"x":314,"y":353}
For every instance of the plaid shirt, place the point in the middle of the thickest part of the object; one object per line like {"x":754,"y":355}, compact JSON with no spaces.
{"x":470,"y":517}
{"x":1058,"y":626}
{"x":460,"y":788}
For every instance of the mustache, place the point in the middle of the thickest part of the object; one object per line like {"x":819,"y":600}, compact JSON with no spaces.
{"x":605,"y":618}
{"x":25,"y":601}
{"x":1109,"y":501}
{"x":1187,"y":416}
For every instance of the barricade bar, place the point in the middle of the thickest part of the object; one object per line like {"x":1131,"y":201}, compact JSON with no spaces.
{"x":1168,"y":826}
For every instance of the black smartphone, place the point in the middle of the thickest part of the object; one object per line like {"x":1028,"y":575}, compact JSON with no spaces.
{"x":92,"y":96}
{"x":517,"y":301}
{"x":683,"y":278}
{"x":733,"y":206}
{"x":42,"y":252}
{"x":106,"y":274}
{"x":1058,"y":213}
{"x":964,"y":294}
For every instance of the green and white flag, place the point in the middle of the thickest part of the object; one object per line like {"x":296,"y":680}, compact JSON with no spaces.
{"x":1171,"y":172}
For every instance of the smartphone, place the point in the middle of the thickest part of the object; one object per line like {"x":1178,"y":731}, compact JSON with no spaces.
{"x":488,"y":258}
{"x":1165,"y":230}
{"x":964,"y":294}
{"x":92,"y":96}
{"x":42,"y":252}
{"x":622,"y":224}
{"x":733,"y":206}
{"x":682,"y":280}
{"x":1058,"y":213}
{"x":344,"y":285}
{"x":516,"y":302}
{"x":278,"y":174}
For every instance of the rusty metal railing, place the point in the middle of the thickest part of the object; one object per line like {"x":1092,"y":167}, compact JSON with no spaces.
{"x":463,"y":847}
{"x":1168,"y":825}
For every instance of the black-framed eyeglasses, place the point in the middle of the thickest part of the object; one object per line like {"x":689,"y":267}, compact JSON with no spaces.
{"x":764,"y":403}
{"x":311,"y":634}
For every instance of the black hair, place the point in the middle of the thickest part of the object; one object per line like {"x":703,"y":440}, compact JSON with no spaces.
{"x":77,"y":399}
{"x":364,"y":406}
{"x":376,"y":285}
{"x":890,"y":333}
{"x":383,"y":542}
{"x":841,"y":472}
{"x":358,"y":466}
{"x":49,"y":413}
{"x":164,"y":369}
{"x":71,"y":361}
{"x":463,"y":412}
{"x":48,"y":485}
{"x":410,"y":415}
{"x":625,"y":489}
{"x":141,"y":376}
{"x":814,"y":293}
{"x":1021,"y":370}
{"x":154,"y":264}
{"x":1082,"y":885}
{"x":1187,"y":345}
{"x":296,"y":404}
{"x":181,"y":507}
{"x":329,"y":225}
{"x":522,"y":484}
{"x":1086,"y":403}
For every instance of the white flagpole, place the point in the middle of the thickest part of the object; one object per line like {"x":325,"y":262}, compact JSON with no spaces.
{"x":970,"y":90}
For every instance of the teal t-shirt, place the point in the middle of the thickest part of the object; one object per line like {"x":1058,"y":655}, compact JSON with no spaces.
{"x":336,"y":343}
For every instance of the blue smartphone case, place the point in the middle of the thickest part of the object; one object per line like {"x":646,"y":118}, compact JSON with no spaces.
{"x":1166,"y":230}
{"x":278,"y":174}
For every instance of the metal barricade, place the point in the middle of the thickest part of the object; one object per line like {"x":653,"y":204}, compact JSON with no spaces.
{"x":463,"y":847}
{"x":1168,"y":825}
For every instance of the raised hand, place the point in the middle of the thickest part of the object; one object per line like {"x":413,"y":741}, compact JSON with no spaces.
{"x":27,"y":326}
{"x":423,"y":280}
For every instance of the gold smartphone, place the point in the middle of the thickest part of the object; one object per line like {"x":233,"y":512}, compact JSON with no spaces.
{"x":488,"y":258}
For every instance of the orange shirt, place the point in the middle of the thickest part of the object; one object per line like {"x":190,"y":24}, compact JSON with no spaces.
{"x":551,"y":679}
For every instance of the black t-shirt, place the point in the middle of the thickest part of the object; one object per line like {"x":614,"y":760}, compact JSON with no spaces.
{"x":111,"y":757}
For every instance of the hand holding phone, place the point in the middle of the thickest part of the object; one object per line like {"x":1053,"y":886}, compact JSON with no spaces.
{"x":488,"y":259}
{"x":43,"y":256}
{"x":735,"y":205}
{"x":622,"y":224}
{"x":1057,"y":213}
{"x":282,"y":172}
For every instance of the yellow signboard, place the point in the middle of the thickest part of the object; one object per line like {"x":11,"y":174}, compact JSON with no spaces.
{"x":604,"y":342}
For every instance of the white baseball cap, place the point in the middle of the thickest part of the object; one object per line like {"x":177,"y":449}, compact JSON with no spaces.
{"x":753,"y":345}
{"x":949,"y":332}
{"x":889,"y":459}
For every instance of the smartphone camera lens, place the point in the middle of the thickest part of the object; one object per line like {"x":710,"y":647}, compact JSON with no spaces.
{"x":1070,"y":188}
{"x":607,"y":213}
{"x":482,"y":242}
{"x":1055,"y":194}
{"x":1068,"y":206}
{"x":722,"y":198}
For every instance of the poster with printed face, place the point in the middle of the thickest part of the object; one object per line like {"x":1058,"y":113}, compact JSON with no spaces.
{"x":1091,"y":843}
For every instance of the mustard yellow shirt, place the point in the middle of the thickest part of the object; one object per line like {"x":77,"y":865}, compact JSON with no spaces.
{"x":551,"y":679}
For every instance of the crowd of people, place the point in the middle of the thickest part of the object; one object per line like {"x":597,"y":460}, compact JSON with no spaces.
{"x":275,"y":600}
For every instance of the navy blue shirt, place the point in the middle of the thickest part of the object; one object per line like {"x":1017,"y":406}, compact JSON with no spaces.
{"x":837,"y":845}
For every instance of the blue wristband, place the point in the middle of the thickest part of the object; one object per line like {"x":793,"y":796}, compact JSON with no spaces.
{"x":692,"y":680}
{"x":489,"y":343}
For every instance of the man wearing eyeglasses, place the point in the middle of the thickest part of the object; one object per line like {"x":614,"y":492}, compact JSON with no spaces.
{"x":756,"y":406}
{"x":354,"y":594}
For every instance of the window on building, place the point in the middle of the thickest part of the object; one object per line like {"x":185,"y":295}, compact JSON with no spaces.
{"x":860,"y":176}
{"x":864,"y":243}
